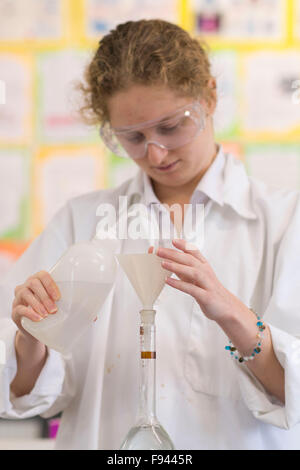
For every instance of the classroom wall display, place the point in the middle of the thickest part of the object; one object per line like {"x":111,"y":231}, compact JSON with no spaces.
{"x":240,"y":19}
{"x":31,"y":19}
{"x":269,"y":76}
{"x":14,"y":194}
{"x":17,"y":111}
{"x":48,"y":155}
{"x":225,"y":71}
{"x":103,"y":15}
{"x":57,"y":102}
{"x":63,"y":173}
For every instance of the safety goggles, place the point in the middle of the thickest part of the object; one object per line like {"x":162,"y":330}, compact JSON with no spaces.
{"x":168,"y":132}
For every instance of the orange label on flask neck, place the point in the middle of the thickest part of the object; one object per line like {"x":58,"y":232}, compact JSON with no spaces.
{"x":148,"y":354}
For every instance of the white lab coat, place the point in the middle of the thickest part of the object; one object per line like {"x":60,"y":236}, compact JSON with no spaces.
{"x":205,"y":399}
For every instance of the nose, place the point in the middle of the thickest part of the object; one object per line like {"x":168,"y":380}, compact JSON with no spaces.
{"x":156,"y":154}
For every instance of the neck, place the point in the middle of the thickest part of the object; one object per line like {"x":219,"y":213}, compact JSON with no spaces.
{"x":147,"y":411}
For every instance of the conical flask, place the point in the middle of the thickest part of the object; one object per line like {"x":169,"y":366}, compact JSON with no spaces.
{"x":84,"y":274}
{"x":147,"y":278}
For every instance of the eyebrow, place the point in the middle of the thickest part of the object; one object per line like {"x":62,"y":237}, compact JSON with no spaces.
{"x":140,"y":127}
{"x":163,"y":119}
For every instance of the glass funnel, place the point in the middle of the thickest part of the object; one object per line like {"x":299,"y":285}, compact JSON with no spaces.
{"x":147,"y":277}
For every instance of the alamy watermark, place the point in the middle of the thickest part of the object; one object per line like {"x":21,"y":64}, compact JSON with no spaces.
{"x":2,"y":92}
{"x":296,"y":94}
{"x":154,"y":223}
{"x":2,"y":353}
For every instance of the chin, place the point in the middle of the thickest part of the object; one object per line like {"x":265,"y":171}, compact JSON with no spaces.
{"x":171,"y":180}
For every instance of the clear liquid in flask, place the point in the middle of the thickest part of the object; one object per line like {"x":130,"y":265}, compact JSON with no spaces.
{"x":147,"y":437}
{"x":79,"y":304}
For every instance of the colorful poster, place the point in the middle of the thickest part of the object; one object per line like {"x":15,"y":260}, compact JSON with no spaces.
{"x":103,"y":15}
{"x":14,"y":194}
{"x":17,"y":110}
{"x":63,"y":173}
{"x":225,"y":71}
{"x":277,"y":165}
{"x":240,"y":19}
{"x":59,"y":102}
{"x":268,"y":92}
{"x":30,"y":19}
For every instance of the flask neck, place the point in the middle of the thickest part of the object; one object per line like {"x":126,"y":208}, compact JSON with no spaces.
{"x":147,"y":398}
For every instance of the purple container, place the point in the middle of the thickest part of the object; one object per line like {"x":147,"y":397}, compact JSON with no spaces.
{"x":53,"y":427}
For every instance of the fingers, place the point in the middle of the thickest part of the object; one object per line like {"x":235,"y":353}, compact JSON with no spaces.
{"x":186,"y":287}
{"x":190,"y":256}
{"x":185,"y":273}
{"x":27,"y":298}
{"x":189,"y":248}
{"x":49,"y":284}
{"x":35,"y":298}
{"x":188,"y":265}
{"x":37,"y":287}
{"x":174,"y":255}
{"x":23,"y":311}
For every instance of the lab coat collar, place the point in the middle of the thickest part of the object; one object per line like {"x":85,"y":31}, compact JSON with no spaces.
{"x":237,"y":189}
{"x":225,"y":182}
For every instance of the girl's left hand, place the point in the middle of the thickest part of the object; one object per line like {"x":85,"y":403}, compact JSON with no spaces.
{"x":197,"y":278}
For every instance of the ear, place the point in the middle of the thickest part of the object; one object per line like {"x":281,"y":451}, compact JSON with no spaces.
{"x":211,"y":101}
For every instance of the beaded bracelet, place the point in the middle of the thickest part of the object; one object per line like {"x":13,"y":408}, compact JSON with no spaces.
{"x":257,"y":349}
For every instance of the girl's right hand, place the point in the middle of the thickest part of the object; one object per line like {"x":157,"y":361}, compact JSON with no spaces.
{"x":35,"y":299}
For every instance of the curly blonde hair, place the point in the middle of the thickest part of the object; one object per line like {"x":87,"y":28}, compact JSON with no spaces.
{"x":145,"y":52}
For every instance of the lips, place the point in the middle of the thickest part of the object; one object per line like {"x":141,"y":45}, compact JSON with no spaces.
{"x":167,"y":167}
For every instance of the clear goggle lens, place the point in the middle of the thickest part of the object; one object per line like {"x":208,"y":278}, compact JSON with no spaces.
{"x":168,"y":132}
